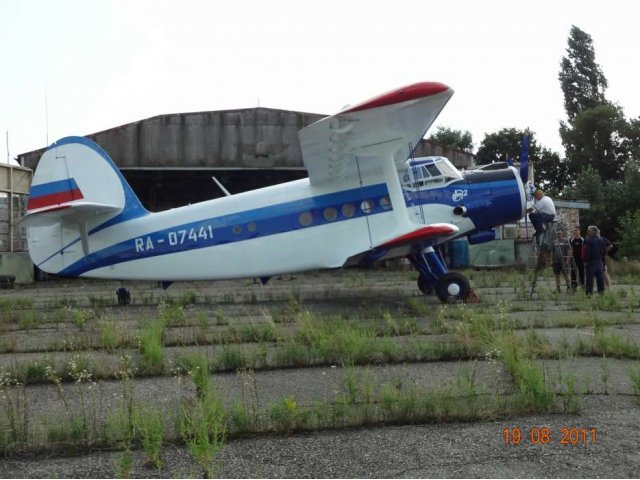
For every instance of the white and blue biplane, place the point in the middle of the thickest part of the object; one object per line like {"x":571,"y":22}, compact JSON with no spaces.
{"x":366,"y":199}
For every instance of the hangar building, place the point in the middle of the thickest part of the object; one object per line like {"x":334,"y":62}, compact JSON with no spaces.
{"x":169,"y":159}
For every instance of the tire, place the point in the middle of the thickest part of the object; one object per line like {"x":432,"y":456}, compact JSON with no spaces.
{"x":453,"y":288}
{"x":424,"y":285}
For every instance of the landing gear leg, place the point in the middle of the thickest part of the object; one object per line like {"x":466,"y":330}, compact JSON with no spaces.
{"x":450,"y":287}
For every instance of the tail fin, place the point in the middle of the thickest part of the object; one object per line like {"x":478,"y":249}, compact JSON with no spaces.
{"x":76,"y":191}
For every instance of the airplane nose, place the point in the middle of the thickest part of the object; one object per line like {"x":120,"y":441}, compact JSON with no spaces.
{"x":498,"y":198}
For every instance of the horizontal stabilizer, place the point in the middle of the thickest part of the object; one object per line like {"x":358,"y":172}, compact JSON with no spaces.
{"x":75,"y":212}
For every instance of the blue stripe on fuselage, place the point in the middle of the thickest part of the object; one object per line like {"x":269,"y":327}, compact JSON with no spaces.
{"x":232,"y":228}
{"x":502,"y":197}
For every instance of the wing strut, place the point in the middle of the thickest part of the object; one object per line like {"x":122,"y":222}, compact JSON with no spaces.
{"x":395,"y":192}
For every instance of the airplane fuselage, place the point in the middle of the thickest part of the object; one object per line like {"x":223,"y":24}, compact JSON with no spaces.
{"x":289,"y":227}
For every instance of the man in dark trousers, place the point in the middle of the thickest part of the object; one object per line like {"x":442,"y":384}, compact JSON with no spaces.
{"x":594,"y":252}
{"x":576,"y":241}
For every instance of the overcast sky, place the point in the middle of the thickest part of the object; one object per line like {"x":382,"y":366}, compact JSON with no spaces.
{"x":93,"y":65}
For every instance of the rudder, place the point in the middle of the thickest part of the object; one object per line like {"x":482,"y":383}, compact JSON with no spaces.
{"x":76,"y":191}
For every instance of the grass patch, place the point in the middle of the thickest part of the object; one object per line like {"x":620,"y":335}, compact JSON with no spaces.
{"x":533,"y":391}
{"x":151,"y":347}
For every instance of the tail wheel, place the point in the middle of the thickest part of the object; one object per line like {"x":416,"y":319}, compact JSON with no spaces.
{"x":425,"y":285}
{"x":452,"y":287}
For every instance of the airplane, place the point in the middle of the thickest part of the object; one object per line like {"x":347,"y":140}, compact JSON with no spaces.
{"x":365,"y":200}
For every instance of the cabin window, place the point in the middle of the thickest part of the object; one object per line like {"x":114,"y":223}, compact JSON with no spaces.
{"x":237,"y":229}
{"x":348,"y":210}
{"x":385,"y":203}
{"x":330,"y":214}
{"x":367,"y":206}
{"x":305,"y":219}
{"x":251,"y":227}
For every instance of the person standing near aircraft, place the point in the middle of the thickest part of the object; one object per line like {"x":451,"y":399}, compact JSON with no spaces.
{"x":544,"y":211}
{"x":605,"y":273}
{"x":577,"y":242}
{"x":594,"y":253}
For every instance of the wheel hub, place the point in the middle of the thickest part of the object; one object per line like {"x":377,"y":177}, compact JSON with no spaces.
{"x":453,"y":289}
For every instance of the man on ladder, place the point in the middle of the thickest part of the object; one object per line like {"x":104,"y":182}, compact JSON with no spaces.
{"x":542,"y":213}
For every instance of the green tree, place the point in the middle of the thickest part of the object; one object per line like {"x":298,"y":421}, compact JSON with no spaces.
{"x":597,"y":138}
{"x":629,"y":245}
{"x":581,"y":78}
{"x":449,"y":138}
{"x":551,"y":171}
{"x":505,"y":144}
{"x":594,"y":133}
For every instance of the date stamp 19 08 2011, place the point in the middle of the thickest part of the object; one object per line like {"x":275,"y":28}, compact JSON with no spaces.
{"x":546,"y":435}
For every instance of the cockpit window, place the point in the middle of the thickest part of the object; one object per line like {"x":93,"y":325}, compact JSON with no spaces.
{"x":433,"y":170}
{"x":448,"y":170}
{"x":429,"y":171}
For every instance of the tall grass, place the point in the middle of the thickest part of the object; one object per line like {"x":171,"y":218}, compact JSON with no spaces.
{"x":151,"y":346}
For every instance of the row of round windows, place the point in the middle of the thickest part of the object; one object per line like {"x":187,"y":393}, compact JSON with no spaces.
{"x":330,"y":214}
{"x":348,"y":210}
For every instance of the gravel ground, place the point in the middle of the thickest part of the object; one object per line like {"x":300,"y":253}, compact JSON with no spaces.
{"x":436,"y":450}
{"x":426,"y":451}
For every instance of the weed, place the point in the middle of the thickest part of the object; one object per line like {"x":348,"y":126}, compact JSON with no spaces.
{"x":292,"y":354}
{"x":148,"y":428}
{"x":29,"y":319}
{"x":124,"y":464}
{"x":171,"y":314}
{"x":239,"y":416}
{"x":187,"y":298}
{"x":613,"y":345}
{"x":109,"y":335}
{"x":605,"y":374}
{"x":534,"y":394}
{"x":79,"y":316}
{"x":221,"y":318}
{"x":125,"y":374}
{"x":203,"y":426}
{"x":151,"y":341}
{"x":418,"y":306}
{"x":231,"y":358}
{"x":289,"y":313}
{"x":97,"y":302}
{"x":32,"y":372}
{"x":16,"y":410}
{"x":634,"y":376}
{"x":197,"y":367}
{"x":283,"y":414}
{"x":606,"y":301}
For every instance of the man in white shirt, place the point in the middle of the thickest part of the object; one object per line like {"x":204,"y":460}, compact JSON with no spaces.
{"x":544,"y":211}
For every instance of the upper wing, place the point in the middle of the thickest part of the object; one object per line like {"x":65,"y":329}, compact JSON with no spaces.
{"x":354,"y":141}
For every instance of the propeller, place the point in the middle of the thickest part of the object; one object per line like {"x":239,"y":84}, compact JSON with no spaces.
{"x":524,"y":159}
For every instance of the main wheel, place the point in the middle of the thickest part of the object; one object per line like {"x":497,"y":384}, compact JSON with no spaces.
{"x":453,"y":287}
{"x":425,"y":285}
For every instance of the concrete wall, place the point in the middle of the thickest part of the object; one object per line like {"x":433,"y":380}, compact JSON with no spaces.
{"x":17,"y":264}
{"x":249,"y":138}
{"x":262,"y":138}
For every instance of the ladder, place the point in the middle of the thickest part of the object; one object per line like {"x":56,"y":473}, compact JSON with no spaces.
{"x":554,"y":244}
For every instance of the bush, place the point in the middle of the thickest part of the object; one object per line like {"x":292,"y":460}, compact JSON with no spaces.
{"x":629,"y":234}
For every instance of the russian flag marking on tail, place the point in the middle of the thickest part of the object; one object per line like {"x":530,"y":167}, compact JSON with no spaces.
{"x":54,"y":193}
